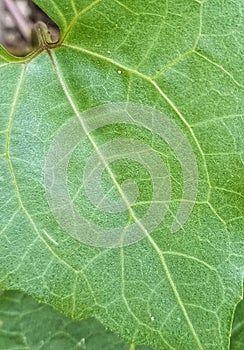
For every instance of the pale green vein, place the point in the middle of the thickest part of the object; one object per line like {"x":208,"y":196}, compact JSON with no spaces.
{"x":166,"y":319}
{"x":49,"y":237}
{"x":216,"y":214}
{"x":151,"y":46}
{"x":106,"y":17}
{"x":169,"y":201}
{"x":200,"y":26}
{"x":110,"y":173}
{"x":212,"y":154}
{"x":190,"y":257}
{"x":60,"y":13}
{"x":126,"y":7}
{"x":237,"y":218}
{"x":216,"y":120}
{"x":126,"y":36}
{"x":200,"y":307}
{"x":92,"y":260}
{"x":171,"y":64}
{"x":229,"y":191}
{"x":74,"y":7}
{"x":4,"y":64}
{"x":9,"y":222}
{"x":75,"y":19}
{"x":221,"y":68}
{"x":7,"y":202}
{"x":51,"y":260}
{"x":173,"y":106}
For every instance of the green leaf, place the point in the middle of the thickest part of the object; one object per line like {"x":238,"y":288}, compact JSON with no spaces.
{"x":28,"y":325}
{"x":237,"y":334}
{"x":182,"y":59}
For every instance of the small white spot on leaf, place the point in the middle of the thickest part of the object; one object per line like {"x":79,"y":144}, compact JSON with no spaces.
{"x":81,"y":342}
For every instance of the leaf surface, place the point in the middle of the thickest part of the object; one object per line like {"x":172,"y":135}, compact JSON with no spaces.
{"x":184,"y":59}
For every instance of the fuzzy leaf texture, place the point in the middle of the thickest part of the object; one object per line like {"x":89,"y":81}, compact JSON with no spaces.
{"x":183,"y":58}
